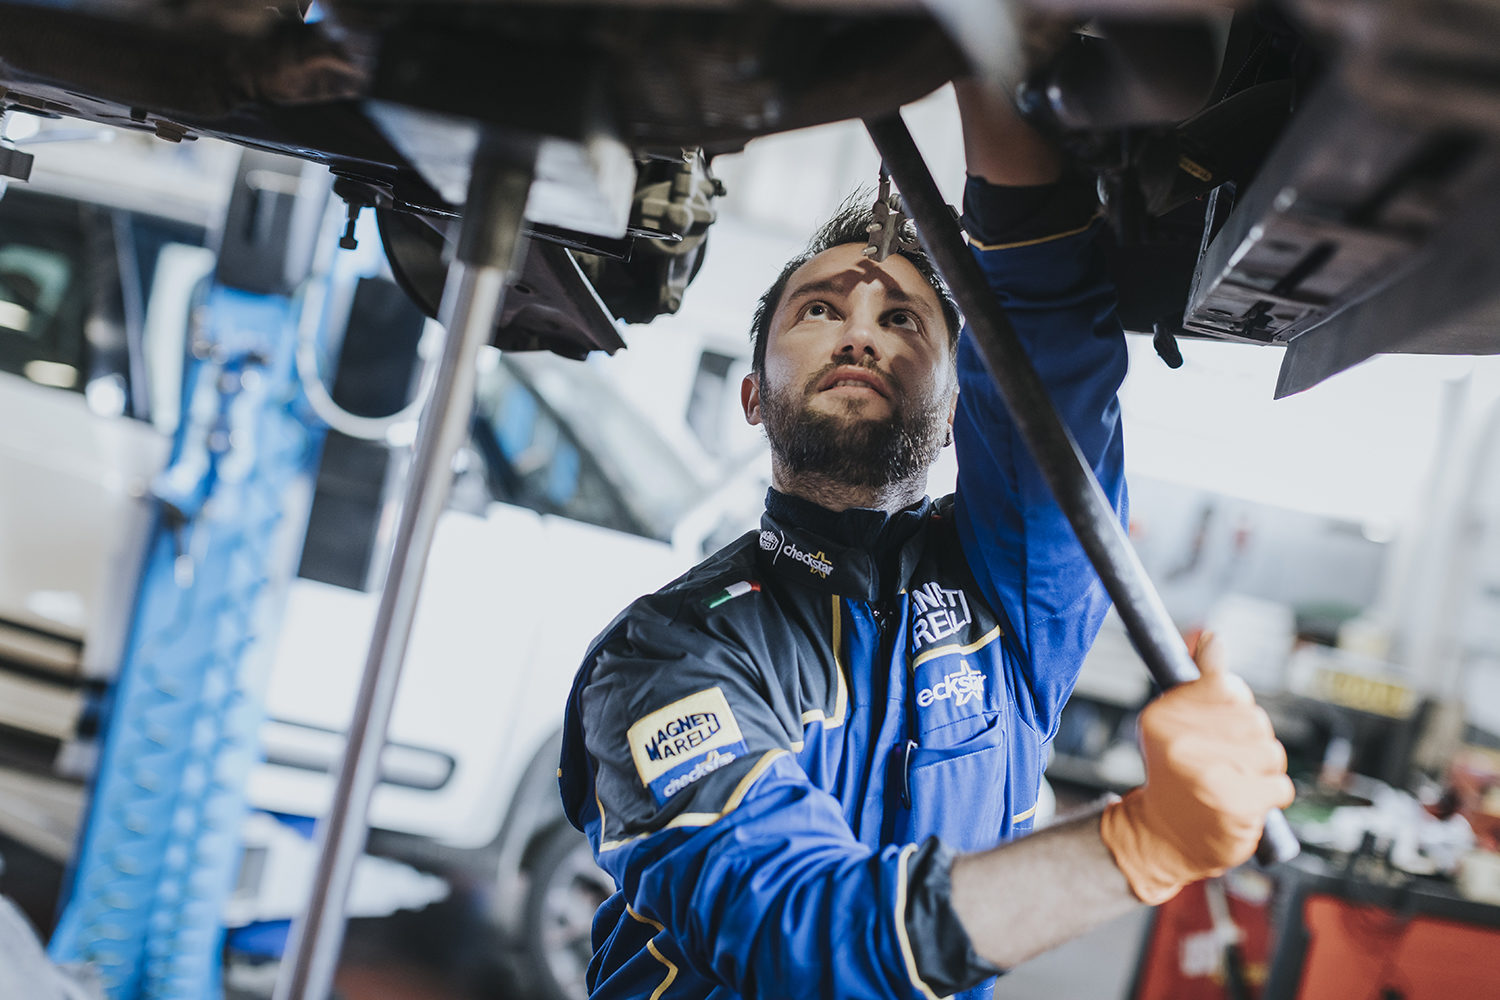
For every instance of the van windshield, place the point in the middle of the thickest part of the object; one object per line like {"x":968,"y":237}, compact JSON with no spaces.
{"x":43,"y":290}
{"x":566,"y":442}
{"x":75,"y":281}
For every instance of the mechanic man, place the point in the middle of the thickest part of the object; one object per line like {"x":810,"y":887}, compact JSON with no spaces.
{"x":797,"y":760}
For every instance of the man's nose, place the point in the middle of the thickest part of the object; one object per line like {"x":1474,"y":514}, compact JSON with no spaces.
{"x":860,"y":335}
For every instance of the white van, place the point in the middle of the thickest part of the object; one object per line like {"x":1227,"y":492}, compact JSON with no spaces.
{"x":566,"y":505}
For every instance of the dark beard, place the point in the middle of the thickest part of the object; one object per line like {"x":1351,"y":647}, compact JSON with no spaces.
{"x":864,"y":453}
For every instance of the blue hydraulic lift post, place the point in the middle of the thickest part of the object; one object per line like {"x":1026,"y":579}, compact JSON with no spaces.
{"x":160,"y":848}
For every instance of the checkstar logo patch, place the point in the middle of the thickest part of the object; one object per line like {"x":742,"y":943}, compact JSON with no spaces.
{"x":817,"y":563}
{"x":710,"y":763}
{"x":685,"y":741}
{"x":962,"y":686}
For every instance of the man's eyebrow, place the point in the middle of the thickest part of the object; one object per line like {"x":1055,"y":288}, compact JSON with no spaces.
{"x":823,"y":286}
{"x":843,"y":283}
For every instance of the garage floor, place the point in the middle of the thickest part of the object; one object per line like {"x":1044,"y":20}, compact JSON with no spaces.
{"x":432,"y":956}
{"x":1098,"y":966}
{"x":442,"y":954}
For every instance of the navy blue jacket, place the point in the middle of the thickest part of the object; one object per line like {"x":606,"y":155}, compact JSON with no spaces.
{"x":776,"y":755}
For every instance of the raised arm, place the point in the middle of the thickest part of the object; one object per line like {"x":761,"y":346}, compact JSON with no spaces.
{"x":1213,"y":764}
{"x":999,"y":147}
{"x":1032,"y":226}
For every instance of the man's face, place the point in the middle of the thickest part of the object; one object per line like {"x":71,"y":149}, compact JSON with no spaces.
{"x":858,"y":382}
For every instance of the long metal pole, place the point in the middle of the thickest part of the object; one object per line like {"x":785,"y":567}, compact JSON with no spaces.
{"x":489,"y":253}
{"x":1051,"y":444}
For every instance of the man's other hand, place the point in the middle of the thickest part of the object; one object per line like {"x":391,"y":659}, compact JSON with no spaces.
{"x":999,"y":146}
{"x":1214,"y":769}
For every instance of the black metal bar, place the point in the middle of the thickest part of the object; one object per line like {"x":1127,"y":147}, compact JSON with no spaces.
{"x":1057,"y":455}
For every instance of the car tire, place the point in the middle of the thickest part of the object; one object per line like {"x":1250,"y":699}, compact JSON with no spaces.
{"x":565,"y":889}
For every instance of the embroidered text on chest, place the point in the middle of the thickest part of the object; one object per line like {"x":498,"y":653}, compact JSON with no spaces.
{"x":962,"y":685}
{"x":937,"y":613}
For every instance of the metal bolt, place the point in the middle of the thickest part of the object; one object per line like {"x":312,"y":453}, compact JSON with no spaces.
{"x":347,"y":241}
{"x":170,"y":131}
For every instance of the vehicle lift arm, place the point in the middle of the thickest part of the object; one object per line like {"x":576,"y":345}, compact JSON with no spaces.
{"x":160,"y":847}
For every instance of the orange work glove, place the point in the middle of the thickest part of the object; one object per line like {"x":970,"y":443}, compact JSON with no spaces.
{"x":1213,"y":770}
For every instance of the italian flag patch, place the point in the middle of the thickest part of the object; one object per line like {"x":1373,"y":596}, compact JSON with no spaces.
{"x":732,"y":591}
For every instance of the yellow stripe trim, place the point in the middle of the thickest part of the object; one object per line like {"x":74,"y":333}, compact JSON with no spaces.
{"x":704,"y":818}
{"x":656,"y":954}
{"x":841,"y":685}
{"x":841,"y":694}
{"x":671,"y":970}
{"x":1040,"y":239}
{"x":743,"y":788}
{"x":633,"y":915}
{"x":1191,"y":166}
{"x":1023,"y":817}
{"x":937,"y":651}
{"x":907,"y":955}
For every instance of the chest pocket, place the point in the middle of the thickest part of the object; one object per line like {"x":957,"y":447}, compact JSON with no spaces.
{"x":957,"y":791}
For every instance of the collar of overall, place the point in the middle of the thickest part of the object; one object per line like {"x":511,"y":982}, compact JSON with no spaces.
{"x":858,"y":553}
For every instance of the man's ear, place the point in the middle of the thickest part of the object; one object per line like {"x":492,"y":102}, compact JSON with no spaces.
{"x":750,"y":399}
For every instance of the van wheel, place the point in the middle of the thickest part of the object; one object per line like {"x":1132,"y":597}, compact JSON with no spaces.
{"x":566,"y":888}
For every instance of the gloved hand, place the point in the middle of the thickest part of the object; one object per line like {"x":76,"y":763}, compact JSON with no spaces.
{"x":1213,"y":770}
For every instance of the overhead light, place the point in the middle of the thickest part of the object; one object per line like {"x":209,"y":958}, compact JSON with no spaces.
{"x":53,"y":373}
{"x":106,"y":395}
{"x":20,"y":127}
{"x":14,"y":316}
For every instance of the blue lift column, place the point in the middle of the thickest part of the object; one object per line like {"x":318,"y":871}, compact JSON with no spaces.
{"x":160,"y":847}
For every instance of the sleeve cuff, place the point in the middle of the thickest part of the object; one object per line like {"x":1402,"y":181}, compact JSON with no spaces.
{"x":996,"y":216}
{"x":943,"y":954}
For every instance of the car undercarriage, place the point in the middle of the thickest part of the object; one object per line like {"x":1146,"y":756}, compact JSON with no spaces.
{"x":1315,"y":174}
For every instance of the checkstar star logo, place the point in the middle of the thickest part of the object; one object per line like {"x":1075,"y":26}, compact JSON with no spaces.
{"x":779,"y":545}
{"x":816,"y":563}
{"x":962,"y":686}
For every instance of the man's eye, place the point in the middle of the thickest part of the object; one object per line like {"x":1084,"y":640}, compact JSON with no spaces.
{"x":902,"y":318}
{"x":816,"y":310}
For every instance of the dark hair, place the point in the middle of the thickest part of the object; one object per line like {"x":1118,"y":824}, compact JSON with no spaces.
{"x":848,"y":225}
